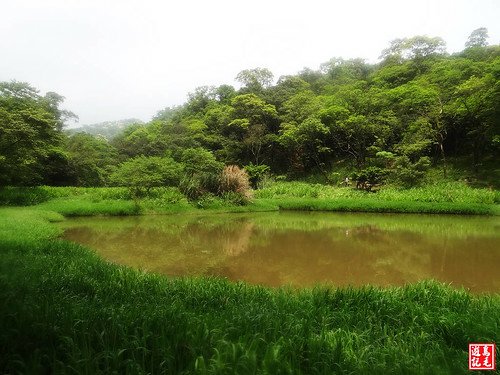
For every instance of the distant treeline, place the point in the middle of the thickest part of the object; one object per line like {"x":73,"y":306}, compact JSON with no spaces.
{"x":416,"y":107}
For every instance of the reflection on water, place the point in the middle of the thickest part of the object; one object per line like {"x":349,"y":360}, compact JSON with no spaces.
{"x":303,"y":249}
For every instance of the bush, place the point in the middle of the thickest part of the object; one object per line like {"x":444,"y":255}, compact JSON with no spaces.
{"x":369,"y":177}
{"x":196,"y":185}
{"x":256,"y":173}
{"x":143,"y":173}
{"x":408,"y":174}
{"x":235,"y":180}
{"x":200,"y":161}
{"x":202,"y":173}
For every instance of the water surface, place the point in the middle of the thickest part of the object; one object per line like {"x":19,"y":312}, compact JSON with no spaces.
{"x":302,"y":248}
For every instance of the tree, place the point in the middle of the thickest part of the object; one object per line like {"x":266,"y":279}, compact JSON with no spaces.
{"x":255,"y":80}
{"x":200,"y":99}
{"x":30,"y":134}
{"x":142,"y":173}
{"x":252,"y":108}
{"x":417,"y":47}
{"x":301,"y":106}
{"x":477,"y":105}
{"x":422,"y":107}
{"x":250,"y":129}
{"x":343,"y":71}
{"x":199,"y":160}
{"x":408,"y":174}
{"x":420,"y":51}
{"x":357,"y":122}
{"x":224,"y":93}
{"x":256,"y":173}
{"x":91,"y":159}
{"x":286,"y":87}
{"x":139,"y":140}
{"x":306,"y":140}
{"x":478,"y":38}
{"x":202,"y":173}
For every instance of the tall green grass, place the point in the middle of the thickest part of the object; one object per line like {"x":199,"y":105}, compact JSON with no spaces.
{"x":295,"y":189}
{"x":374,"y":205}
{"x":82,"y":207}
{"x":64,"y":310}
{"x":453,"y":192}
{"x":26,"y":196}
{"x":442,"y":198}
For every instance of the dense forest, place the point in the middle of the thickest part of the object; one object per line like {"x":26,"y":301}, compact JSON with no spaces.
{"x":419,"y":107}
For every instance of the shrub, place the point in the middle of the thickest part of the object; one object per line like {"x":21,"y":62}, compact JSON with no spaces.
{"x":369,"y":177}
{"x":408,"y":174}
{"x":199,"y":161}
{"x":202,"y":173}
{"x":143,"y":173}
{"x":194,"y":186}
{"x":235,"y":180}
{"x":256,"y":173}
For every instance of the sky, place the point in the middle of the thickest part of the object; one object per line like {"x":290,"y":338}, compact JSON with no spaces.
{"x":119,"y":59}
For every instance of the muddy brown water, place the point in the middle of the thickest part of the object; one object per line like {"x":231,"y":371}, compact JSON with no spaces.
{"x":302,"y":248}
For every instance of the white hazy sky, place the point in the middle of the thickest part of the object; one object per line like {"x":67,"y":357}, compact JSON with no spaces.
{"x":120,"y":59}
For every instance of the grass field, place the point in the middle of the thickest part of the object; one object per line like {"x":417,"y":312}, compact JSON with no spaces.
{"x":64,"y":310}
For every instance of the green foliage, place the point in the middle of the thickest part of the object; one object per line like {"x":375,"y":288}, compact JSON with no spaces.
{"x":414,"y":48}
{"x":369,"y":177}
{"x":409,"y":174}
{"x":91,"y":159}
{"x":30,"y":134}
{"x":280,"y":190}
{"x":142,"y":173}
{"x":252,"y":108}
{"x":256,"y":173}
{"x":255,"y":80}
{"x":202,"y":173}
{"x":199,"y":160}
{"x":197,"y":185}
{"x":418,"y":102}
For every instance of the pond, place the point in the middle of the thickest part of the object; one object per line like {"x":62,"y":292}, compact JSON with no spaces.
{"x":303,"y":248}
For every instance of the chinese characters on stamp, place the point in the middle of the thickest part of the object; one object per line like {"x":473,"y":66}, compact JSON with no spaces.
{"x":482,"y":356}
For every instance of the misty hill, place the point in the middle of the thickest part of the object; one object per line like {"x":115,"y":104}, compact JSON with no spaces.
{"x":107,"y":129}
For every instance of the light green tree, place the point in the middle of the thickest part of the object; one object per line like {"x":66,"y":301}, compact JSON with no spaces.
{"x":142,"y":173}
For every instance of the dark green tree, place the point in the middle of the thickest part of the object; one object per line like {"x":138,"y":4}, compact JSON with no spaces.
{"x":30,"y":135}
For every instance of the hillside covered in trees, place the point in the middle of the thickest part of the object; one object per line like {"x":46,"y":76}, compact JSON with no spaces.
{"x":419,"y":107}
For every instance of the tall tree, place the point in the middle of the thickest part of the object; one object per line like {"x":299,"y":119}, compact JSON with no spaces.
{"x":478,"y":38}
{"x":30,"y":134}
{"x":255,"y":80}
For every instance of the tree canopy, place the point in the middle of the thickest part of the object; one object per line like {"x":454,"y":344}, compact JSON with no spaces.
{"x":417,"y":104}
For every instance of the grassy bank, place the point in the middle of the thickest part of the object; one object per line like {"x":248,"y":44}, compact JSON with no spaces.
{"x":445,"y":198}
{"x":65,"y":310}
{"x":373,"y":205}
{"x":441,"y":198}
